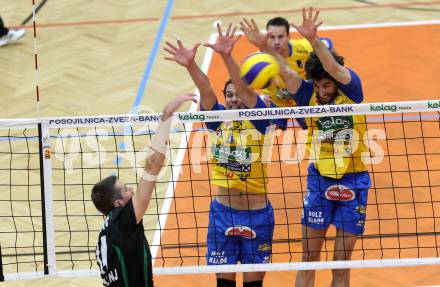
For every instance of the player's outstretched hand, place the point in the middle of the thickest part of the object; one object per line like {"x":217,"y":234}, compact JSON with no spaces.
{"x":180,"y":54}
{"x":225,"y":42}
{"x":175,"y":104}
{"x":253,"y":34}
{"x":309,"y":27}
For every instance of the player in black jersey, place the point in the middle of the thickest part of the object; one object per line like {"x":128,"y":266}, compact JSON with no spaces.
{"x":122,"y":251}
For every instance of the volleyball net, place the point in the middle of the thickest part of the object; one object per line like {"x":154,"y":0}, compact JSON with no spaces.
{"x":48,"y":167}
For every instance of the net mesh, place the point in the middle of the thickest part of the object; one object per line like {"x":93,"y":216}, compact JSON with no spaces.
{"x":402,"y":211}
{"x":20,"y":200}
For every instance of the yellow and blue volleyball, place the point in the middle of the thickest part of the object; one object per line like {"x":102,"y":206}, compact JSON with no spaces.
{"x":259,"y":69}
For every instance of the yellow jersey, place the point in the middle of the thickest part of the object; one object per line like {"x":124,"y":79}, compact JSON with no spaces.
{"x":335,"y":143}
{"x":237,"y":152}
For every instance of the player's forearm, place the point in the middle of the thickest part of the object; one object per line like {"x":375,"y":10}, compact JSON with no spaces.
{"x":159,"y":144}
{"x":234,"y":72}
{"x":243,"y":91}
{"x":292,"y":80}
{"x":207,"y":95}
{"x":331,"y":66}
{"x":156,"y":153}
{"x":325,"y":56}
{"x":290,"y":77}
{"x":153,"y":165}
{"x":199,"y":78}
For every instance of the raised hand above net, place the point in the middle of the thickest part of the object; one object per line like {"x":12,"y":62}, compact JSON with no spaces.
{"x":181,"y":55}
{"x":225,"y":42}
{"x":309,"y":28}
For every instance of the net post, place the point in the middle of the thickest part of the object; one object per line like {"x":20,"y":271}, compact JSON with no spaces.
{"x":46,"y":199}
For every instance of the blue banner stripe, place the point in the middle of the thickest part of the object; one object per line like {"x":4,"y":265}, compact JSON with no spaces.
{"x":147,"y":72}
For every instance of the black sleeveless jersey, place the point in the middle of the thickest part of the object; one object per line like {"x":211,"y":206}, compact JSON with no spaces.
{"x":122,"y":251}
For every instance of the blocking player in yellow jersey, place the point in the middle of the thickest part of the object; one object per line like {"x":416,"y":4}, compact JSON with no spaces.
{"x":294,"y":51}
{"x":241,"y":219}
{"x":338,"y":180}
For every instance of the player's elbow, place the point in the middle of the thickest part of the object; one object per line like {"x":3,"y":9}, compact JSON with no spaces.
{"x":206,"y":91}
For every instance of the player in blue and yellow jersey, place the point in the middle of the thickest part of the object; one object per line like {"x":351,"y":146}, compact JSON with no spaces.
{"x":294,"y":51}
{"x":338,"y":180}
{"x":241,"y":219}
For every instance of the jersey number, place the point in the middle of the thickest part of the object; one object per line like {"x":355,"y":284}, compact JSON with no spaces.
{"x":101,"y":254}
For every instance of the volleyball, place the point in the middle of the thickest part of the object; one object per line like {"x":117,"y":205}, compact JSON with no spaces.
{"x":259,"y":69}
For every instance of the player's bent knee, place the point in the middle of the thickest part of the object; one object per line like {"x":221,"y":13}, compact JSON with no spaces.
{"x":341,"y":255}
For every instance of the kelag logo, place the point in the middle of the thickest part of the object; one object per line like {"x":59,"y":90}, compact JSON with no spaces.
{"x":433,"y":105}
{"x":385,"y":108}
{"x":191,"y":117}
{"x":335,"y":123}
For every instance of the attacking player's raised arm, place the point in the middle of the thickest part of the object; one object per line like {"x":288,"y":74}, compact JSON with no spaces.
{"x":224,"y":44}
{"x":156,"y":156}
{"x":309,"y":30}
{"x":186,"y":58}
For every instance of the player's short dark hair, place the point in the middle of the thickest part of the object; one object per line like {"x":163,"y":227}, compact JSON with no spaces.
{"x":314,"y":69}
{"x":104,"y":194}
{"x":279,"y":21}
{"x":228,"y":82}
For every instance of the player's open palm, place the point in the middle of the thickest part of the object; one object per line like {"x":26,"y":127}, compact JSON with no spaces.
{"x":175,"y":104}
{"x":225,"y":42}
{"x":309,"y":28}
{"x":180,"y":54}
{"x":253,"y":34}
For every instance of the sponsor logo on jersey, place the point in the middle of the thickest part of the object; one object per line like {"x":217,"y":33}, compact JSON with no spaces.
{"x":339,"y":193}
{"x":264,"y":247}
{"x":335,"y":123}
{"x":361,"y":209}
{"x":315,"y":217}
{"x":242,"y":231}
{"x":225,"y":153}
{"x":218,"y":257}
